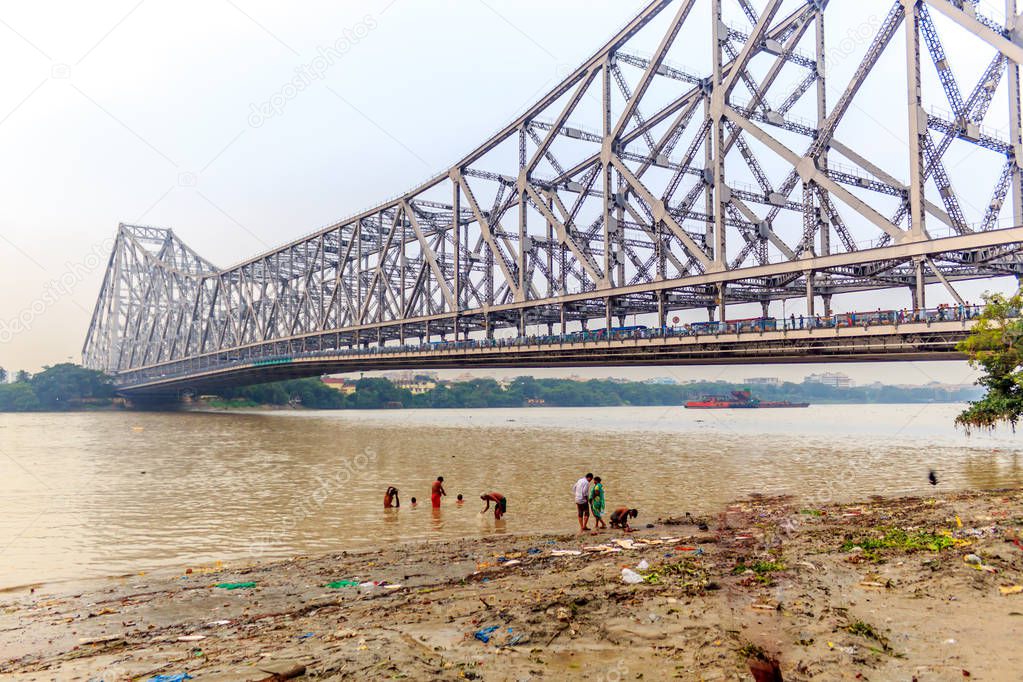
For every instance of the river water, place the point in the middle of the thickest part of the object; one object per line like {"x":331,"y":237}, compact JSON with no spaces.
{"x":85,"y":495}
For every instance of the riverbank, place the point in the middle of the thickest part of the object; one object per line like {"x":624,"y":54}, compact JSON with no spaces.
{"x":884,"y":589}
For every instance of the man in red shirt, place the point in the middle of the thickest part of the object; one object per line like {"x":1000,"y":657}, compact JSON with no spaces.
{"x":500,"y":504}
{"x":391,"y":498}
{"x":437,"y":492}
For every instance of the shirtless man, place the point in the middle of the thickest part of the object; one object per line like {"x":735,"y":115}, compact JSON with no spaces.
{"x":620,"y":518}
{"x":437,"y":492}
{"x":500,"y":504}
{"x":391,"y":498}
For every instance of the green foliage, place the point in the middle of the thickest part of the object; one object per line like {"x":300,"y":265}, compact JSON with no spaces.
{"x":897,"y":538}
{"x":18,"y":397}
{"x":311,"y":393}
{"x":63,"y":386}
{"x":758,"y":567}
{"x":867,"y":631}
{"x":995,"y":345}
{"x":762,"y":570}
{"x":379,"y":393}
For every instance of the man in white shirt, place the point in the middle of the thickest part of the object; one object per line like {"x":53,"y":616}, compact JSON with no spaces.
{"x":581,"y":490}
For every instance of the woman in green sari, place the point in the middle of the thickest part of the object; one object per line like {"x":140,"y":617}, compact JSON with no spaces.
{"x":597,"y":503}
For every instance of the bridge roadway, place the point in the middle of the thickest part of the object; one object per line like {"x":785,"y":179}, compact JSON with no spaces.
{"x":932,"y":338}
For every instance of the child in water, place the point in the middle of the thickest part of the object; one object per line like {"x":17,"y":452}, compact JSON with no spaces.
{"x":413,"y":503}
{"x":459,"y":501}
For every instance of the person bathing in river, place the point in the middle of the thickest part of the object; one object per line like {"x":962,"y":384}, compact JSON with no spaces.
{"x":414,"y":504}
{"x":391,"y":498}
{"x":597,"y":503}
{"x":620,"y":518}
{"x":459,"y":500}
{"x":437,"y":492}
{"x":500,"y":504}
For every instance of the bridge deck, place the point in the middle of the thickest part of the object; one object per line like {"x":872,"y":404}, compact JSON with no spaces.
{"x":934,"y":340}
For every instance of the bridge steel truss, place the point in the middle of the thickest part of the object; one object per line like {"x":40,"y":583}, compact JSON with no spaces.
{"x":623,"y":191}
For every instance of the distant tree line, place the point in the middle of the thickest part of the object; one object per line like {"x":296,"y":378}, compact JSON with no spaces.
{"x":62,"y":387}
{"x":377,"y":393}
{"x":67,"y":387}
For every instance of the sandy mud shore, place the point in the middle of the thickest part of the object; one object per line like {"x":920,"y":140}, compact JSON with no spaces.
{"x":886,"y":589}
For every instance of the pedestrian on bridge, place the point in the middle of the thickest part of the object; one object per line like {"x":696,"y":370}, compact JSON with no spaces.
{"x":437,"y":492}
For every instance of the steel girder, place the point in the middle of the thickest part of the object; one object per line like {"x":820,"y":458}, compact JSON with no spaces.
{"x":635,"y":186}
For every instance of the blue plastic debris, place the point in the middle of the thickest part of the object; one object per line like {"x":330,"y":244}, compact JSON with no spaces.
{"x":307,"y":635}
{"x":180,"y":677}
{"x":484,"y":634}
{"x":534,"y":550}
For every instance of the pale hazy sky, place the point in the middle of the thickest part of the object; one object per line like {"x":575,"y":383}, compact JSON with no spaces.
{"x":143,"y":112}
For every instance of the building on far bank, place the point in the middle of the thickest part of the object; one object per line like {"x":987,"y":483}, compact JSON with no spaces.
{"x":762,"y":381}
{"x":417,"y":384}
{"x":661,"y":381}
{"x":345,"y":386}
{"x":833,"y":379}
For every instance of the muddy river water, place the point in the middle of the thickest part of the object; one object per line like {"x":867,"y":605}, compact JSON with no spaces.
{"x":84,"y":495}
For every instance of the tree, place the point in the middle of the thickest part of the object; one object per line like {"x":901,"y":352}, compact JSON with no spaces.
{"x":62,"y":386}
{"x":995,"y":346}
{"x":22,"y":377}
{"x":18,"y":397}
{"x":3,"y":375}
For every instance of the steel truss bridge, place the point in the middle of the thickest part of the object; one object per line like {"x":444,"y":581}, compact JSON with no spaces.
{"x":638,"y":186}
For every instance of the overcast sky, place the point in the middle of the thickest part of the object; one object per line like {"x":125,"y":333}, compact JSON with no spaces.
{"x":152,"y":112}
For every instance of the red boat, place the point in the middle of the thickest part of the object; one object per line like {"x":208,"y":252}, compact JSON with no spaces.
{"x":737,"y":401}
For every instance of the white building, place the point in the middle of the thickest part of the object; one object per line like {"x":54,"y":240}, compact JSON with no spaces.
{"x":762,"y":381}
{"x":833,"y":379}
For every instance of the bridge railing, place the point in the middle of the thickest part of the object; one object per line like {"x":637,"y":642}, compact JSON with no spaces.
{"x":283,"y":352}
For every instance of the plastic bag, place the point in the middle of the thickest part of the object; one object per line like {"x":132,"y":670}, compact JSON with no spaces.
{"x":630,"y":577}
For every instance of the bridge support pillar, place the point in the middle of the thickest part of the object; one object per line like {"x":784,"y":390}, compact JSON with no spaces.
{"x":710,"y":313}
{"x":827,"y":304}
{"x":487,"y":327}
{"x":608,"y":305}
{"x":522,"y":322}
{"x":662,"y":310}
{"x":722,"y":305}
{"x":809,"y":295}
{"x":919,"y":289}
{"x":564,"y":325}
{"x":765,"y":309}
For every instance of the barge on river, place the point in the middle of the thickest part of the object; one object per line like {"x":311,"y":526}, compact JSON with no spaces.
{"x":737,"y":401}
